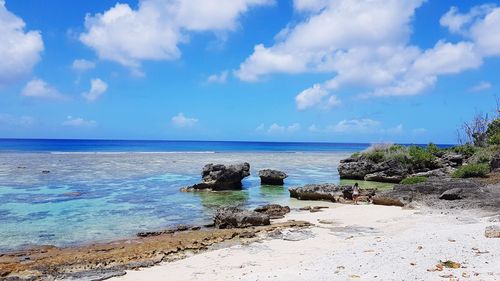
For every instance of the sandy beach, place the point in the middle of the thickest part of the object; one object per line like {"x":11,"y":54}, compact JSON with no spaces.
{"x":364,"y":242}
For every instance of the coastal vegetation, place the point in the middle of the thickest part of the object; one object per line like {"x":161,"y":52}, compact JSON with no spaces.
{"x":413,"y":180}
{"x":472,"y":171}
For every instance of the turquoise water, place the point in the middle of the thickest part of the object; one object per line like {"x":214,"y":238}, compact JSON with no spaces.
{"x":90,"y":197}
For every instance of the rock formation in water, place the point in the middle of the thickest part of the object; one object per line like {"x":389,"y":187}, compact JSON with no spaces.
{"x":221,"y":177}
{"x":272,"y":177}
{"x":232,"y":217}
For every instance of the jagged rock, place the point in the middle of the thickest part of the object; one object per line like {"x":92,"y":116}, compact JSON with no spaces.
{"x":492,"y":231}
{"x":453,"y":159}
{"x":274,"y":211}
{"x":386,"y":176}
{"x":232,"y":217}
{"x":353,"y":168}
{"x":441,"y":172}
{"x":495,"y":163}
{"x":329,"y":192}
{"x":221,"y":177}
{"x":452,"y":194}
{"x":272,"y":177}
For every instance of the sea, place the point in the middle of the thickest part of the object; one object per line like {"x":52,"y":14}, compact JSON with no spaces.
{"x":74,"y":192}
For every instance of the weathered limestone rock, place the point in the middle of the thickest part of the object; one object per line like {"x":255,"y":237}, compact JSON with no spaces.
{"x":274,"y":211}
{"x":221,"y":177}
{"x":272,"y":177}
{"x":236,"y":218}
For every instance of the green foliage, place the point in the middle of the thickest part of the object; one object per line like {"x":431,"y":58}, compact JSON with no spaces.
{"x":483,"y":155}
{"x":413,"y":180}
{"x":356,"y":155}
{"x":435,"y":150}
{"x":472,"y":171}
{"x":375,"y":156}
{"x":493,"y":132}
{"x":466,"y":149}
{"x":421,"y":156}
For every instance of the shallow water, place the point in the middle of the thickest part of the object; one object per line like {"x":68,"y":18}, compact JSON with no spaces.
{"x":100,"y":197}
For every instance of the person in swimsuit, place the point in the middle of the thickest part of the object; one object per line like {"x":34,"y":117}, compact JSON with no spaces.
{"x":355,"y":193}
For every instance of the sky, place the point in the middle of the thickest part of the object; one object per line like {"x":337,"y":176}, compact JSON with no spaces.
{"x":406,"y":71}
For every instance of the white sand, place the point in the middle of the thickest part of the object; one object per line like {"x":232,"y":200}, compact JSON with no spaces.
{"x":364,"y":242}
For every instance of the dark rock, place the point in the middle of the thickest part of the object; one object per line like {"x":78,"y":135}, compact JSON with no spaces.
{"x":272,"y":177}
{"x":196,"y":228}
{"x":453,"y":159}
{"x":452,"y":194}
{"x":236,"y":218}
{"x":328,"y":192}
{"x":353,"y":168}
{"x":495,"y":162}
{"x":221,"y":177}
{"x":45,"y":172}
{"x":274,"y":211}
{"x":247,"y":234}
{"x":473,"y":194}
{"x":182,"y":227}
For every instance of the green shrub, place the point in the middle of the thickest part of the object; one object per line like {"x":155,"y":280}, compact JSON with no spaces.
{"x":482,"y":156}
{"x":421,"y":157}
{"x":375,"y":156}
{"x":356,"y":155}
{"x":493,"y":132}
{"x":435,"y":150}
{"x":472,"y":171}
{"x":413,"y":180}
{"x":465,"y":149}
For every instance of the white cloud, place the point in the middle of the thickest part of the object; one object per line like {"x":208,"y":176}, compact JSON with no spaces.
{"x":276,"y":128}
{"x":364,"y":125}
{"x":218,"y":78}
{"x":154,"y":30}
{"x":37,"y":88}
{"x":78,"y":122}
{"x":97,"y":88}
{"x":317,"y":96}
{"x":82,"y":65}
{"x":182,"y":121}
{"x":19,"y":49}
{"x":481,"y":86}
{"x":398,"y":130}
{"x":366,"y":44}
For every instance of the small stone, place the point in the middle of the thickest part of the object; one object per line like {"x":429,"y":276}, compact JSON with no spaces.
{"x":492,"y":231}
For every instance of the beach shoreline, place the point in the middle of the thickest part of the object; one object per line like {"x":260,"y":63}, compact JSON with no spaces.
{"x":351,"y":242}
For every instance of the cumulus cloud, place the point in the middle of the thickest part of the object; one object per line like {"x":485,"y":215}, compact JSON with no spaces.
{"x":364,"y":125}
{"x":97,"y":88}
{"x":37,"y":88}
{"x":276,"y":128}
{"x":481,"y":86}
{"x":218,"y":78}
{"x":154,"y":30}
{"x":182,"y":121}
{"x":82,"y":65}
{"x":78,"y":122}
{"x":19,"y":49}
{"x":366,"y":44}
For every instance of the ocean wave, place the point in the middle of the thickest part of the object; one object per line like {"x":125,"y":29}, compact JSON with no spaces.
{"x":131,"y":152}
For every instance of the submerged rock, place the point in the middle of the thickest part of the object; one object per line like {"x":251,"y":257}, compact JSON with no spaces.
{"x":274,"y":211}
{"x":221,"y":177}
{"x":232,"y":217}
{"x":272,"y":177}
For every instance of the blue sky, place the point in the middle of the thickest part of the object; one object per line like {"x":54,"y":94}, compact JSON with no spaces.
{"x":303,"y":70}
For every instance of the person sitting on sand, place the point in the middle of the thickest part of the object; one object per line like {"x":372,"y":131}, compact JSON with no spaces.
{"x":355,"y":193}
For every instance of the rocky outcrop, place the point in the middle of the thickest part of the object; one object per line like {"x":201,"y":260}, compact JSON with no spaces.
{"x":274,"y":211}
{"x":394,"y":171}
{"x":495,"y":163}
{"x":327,"y":192}
{"x":444,"y":193}
{"x":272,"y":177}
{"x":237,"y":218}
{"x":221,"y":177}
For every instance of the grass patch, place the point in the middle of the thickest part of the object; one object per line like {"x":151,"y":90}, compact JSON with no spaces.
{"x":413,"y":180}
{"x":472,"y":171}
